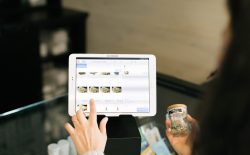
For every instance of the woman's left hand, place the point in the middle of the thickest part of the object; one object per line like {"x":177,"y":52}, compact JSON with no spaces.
{"x":86,"y":134}
{"x":183,"y":145}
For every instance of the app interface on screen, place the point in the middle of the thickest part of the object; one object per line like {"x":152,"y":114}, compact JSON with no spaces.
{"x":116,"y":84}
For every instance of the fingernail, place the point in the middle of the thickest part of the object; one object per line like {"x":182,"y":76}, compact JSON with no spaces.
{"x":106,"y":119}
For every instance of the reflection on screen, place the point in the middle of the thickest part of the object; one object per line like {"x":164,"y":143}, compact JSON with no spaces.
{"x":116,"y":84}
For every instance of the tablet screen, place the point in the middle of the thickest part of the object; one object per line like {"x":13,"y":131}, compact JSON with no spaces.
{"x":116,"y":84}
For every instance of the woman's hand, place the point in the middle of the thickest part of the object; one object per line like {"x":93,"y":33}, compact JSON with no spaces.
{"x":183,"y":145}
{"x":85,"y":134}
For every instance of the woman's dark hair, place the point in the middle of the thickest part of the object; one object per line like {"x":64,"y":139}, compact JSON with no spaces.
{"x":225,"y":122}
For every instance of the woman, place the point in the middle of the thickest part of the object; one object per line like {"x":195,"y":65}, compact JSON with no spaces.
{"x":225,"y":119}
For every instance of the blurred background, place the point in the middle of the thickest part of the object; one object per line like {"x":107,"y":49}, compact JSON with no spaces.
{"x":184,"y":35}
{"x":36,"y":37}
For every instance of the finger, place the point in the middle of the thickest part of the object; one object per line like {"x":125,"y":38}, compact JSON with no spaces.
{"x":103,"y":124}
{"x":77,"y":143}
{"x":72,"y":134}
{"x":169,"y":135}
{"x":69,"y":129}
{"x":168,"y":123}
{"x":168,"y":130}
{"x":192,"y":121}
{"x":75,"y":121}
{"x":194,"y":127}
{"x":81,"y":117}
{"x":92,"y":114}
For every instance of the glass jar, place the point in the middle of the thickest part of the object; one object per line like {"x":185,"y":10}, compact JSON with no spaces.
{"x":177,"y":113}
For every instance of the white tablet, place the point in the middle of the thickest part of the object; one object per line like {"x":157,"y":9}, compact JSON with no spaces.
{"x":120,"y":84}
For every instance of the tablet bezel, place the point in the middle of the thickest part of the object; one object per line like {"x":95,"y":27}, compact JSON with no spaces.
{"x":152,"y":82}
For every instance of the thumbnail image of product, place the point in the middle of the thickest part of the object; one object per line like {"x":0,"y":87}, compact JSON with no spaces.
{"x":105,"y":73}
{"x":84,"y":107}
{"x":93,"y":73}
{"x":94,"y":89}
{"x":82,"y":73}
{"x":82,"y":89}
{"x":116,"y":73}
{"x":105,"y":89}
{"x":126,"y":72}
{"x":117,"y":89}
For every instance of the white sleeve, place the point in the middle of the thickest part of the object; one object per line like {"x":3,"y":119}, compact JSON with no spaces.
{"x":94,"y":153}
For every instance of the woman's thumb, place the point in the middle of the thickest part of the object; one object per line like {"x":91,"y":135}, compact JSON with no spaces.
{"x":103,"y":124}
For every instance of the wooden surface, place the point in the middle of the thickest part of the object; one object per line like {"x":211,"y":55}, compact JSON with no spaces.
{"x":185,"y":35}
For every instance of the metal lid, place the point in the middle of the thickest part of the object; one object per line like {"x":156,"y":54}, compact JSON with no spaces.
{"x":176,"y":106}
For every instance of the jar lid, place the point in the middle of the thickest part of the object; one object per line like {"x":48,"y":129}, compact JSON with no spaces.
{"x":176,"y":106}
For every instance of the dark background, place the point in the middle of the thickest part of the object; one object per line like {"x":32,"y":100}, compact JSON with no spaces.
{"x":29,"y":75}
